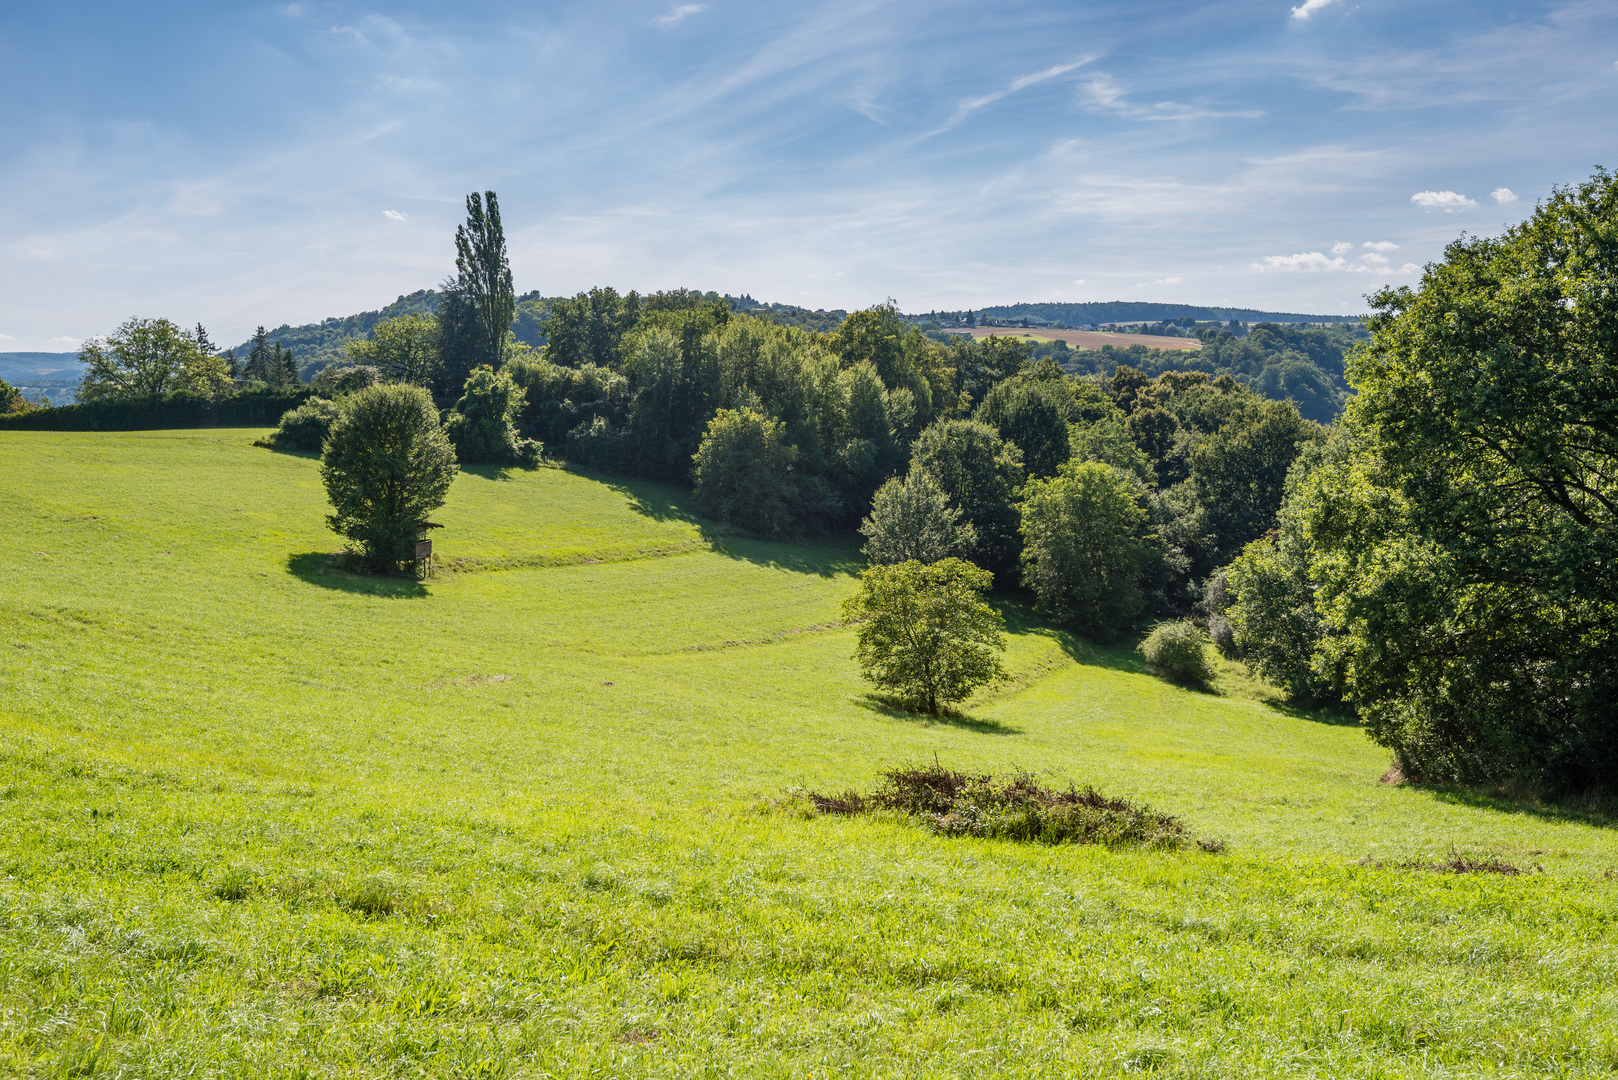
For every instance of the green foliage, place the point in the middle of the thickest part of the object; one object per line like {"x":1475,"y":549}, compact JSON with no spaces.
{"x":743,"y":472}
{"x":387,"y":466}
{"x":250,"y":406}
{"x":345,"y":379}
{"x":13,"y":403}
{"x":983,"y":476}
{"x":912,"y":519}
{"x":925,"y":632}
{"x":1240,"y":471}
{"x":590,"y":328}
{"x":1089,"y":552}
{"x":1032,"y":413}
{"x":1464,"y":546}
{"x":482,"y":426}
{"x":404,"y":349}
{"x":1109,"y":441}
{"x":147,"y":357}
{"x":316,"y":344}
{"x":1178,"y":649}
{"x":306,"y":427}
{"x":483,"y":279}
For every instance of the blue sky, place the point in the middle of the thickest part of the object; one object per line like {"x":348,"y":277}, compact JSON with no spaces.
{"x":243,"y":163}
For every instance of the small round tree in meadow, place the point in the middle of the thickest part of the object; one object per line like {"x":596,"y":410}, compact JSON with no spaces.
{"x":925,"y":631}
{"x":387,"y":465}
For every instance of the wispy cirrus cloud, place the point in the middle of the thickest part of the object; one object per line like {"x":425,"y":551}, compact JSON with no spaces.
{"x":395,"y":215}
{"x":1104,"y":94}
{"x":967,"y":107}
{"x":676,"y":15}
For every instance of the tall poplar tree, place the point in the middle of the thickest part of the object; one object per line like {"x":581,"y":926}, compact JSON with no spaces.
{"x":483,"y":276}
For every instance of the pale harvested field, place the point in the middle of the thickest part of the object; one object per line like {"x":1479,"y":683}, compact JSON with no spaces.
{"x":1087,"y":339}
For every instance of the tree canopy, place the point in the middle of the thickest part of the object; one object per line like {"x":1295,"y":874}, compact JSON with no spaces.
{"x":148,"y":357}
{"x":1465,"y":544}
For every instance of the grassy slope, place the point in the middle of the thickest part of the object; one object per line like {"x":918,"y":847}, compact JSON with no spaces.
{"x":260,"y":814}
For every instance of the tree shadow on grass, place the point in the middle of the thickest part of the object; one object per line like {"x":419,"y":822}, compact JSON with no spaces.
{"x":833,"y":556}
{"x":326,"y":570}
{"x":1120,"y":655}
{"x":1596,"y":811}
{"x":894,"y":709}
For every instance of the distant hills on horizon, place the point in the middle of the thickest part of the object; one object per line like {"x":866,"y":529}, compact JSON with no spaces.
{"x":309,"y":341}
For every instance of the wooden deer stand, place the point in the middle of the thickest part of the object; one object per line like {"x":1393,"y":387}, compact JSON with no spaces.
{"x":424,"y":548}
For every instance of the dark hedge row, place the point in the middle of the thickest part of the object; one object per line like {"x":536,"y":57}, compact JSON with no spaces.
{"x":258,"y":407}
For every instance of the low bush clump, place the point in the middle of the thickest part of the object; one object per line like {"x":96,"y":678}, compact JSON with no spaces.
{"x":960,"y":804}
{"x":306,"y":427}
{"x":1178,"y":650}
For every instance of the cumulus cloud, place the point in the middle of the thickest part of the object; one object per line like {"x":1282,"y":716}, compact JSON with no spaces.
{"x":1080,"y":281}
{"x":1308,"y":8}
{"x":1503,"y":195}
{"x":1342,"y":248}
{"x":64,"y":342}
{"x":1380,"y":245}
{"x":1446,"y":201}
{"x":395,"y":215}
{"x":1315,"y":262}
{"x":676,"y":15}
{"x":7,"y":337}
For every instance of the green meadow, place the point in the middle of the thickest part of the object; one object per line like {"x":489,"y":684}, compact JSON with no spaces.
{"x":536,"y":817}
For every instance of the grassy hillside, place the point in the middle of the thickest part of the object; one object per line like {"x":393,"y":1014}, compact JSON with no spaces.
{"x":262,"y":817}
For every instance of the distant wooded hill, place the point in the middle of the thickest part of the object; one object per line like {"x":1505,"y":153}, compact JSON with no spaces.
{"x":1122,"y":311}
{"x":315,"y":344}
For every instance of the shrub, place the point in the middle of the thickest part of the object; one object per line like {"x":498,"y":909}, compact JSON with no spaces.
{"x":306,"y":427}
{"x":483,"y":423}
{"x":925,"y":630}
{"x":388,"y":464}
{"x":953,"y":803}
{"x":1179,"y":652}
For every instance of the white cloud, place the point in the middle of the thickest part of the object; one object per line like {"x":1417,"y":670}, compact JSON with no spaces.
{"x":1342,"y":248}
{"x":1103,"y":92}
{"x":1314,"y":262}
{"x":395,"y":215}
{"x":1380,"y":245}
{"x":971,"y":105}
{"x":1080,"y":281}
{"x":1503,"y":195}
{"x":1308,"y":8}
{"x":7,"y":337}
{"x":677,"y":15}
{"x":65,"y":342}
{"x":1159,"y":281}
{"x":1446,"y":201}
{"x":1309,"y":261}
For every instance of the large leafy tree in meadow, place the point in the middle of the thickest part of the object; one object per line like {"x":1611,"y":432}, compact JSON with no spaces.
{"x":387,"y":465}
{"x":148,"y":356}
{"x":925,"y":631}
{"x":1466,"y":548}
